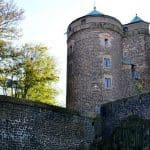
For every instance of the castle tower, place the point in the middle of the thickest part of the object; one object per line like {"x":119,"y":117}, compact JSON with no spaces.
{"x":94,"y":62}
{"x":136,"y":53}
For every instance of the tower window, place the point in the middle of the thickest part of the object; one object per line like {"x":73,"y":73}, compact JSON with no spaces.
{"x":106,"y":62}
{"x":125,"y":29}
{"x":69,"y":29}
{"x":83,"y":21}
{"x":70,"y":48}
{"x":134,"y":74}
{"x":108,"y":82}
{"x":106,"y":42}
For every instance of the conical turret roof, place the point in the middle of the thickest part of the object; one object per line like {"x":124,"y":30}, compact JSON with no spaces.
{"x":136,"y":19}
{"x":95,"y":13}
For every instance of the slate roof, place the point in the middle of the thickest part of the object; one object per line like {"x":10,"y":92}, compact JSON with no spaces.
{"x":95,"y":13}
{"x":136,"y":19}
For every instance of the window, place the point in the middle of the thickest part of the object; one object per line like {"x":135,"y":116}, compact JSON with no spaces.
{"x":83,"y":21}
{"x":106,"y":62}
{"x":108,"y":82}
{"x":70,"y":48}
{"x":106,"y":42}
{"x":125,"y":29}
{"x":69,"y":29}
{"x":134,"y":74}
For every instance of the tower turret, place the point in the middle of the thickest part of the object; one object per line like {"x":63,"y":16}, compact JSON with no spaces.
{"x":136,"y":45}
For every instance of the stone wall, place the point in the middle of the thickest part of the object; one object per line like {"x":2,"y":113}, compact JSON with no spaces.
{"x":136,"y":46}
{"x":114,"y":113}
{"x":127,"y":48}
{"x":30,"y":125}
{"x":86,"y":72}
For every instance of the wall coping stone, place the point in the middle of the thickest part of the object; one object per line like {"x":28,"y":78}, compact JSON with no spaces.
{"x":30,"y":103}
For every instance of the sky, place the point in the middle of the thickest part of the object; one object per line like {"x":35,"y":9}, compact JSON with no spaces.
{"x":46,"y":22}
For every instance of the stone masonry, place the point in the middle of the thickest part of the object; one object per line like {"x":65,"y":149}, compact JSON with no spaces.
{"x":26,"y":125}
{"x":114,"y":113}
{"x":35,"y":126}
{"x":106,"y":61}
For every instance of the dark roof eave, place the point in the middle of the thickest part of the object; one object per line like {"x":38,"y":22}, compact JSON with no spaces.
{"x":136,"y":22}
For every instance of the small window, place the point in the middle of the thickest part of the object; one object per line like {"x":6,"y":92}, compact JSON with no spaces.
{"x":83,"y":21}
{"x":71,"y":49}
{"x":69,"y":29}
{"x":106,"y":62}
{"x":106,"y":42}
{"x":108,"y":82}
{"x":125,"y":29}
{"x":134,"y":74}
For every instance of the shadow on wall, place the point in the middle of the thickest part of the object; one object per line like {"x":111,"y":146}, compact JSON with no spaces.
{"x":133,"y":133}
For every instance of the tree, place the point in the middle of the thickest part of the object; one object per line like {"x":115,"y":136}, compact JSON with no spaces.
{"x":38,"y":74}
{"x":9,"y":68}
{"x":10,"y":15}
{"x":29,"y":72}
{"x":26,"y":72}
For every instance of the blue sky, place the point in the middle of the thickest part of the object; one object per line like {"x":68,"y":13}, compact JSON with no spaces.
{"x":46,"y":22}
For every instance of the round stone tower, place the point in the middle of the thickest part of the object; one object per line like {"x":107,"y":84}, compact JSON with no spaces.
{"x":94,"y":62}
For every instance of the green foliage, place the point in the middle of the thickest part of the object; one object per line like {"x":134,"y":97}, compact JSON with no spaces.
{"x":29,"y":72}
{"x":26,"y":72}
{"x":138,"y":86}
{"x":39,"y":74}
{"x":42,"y":93}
